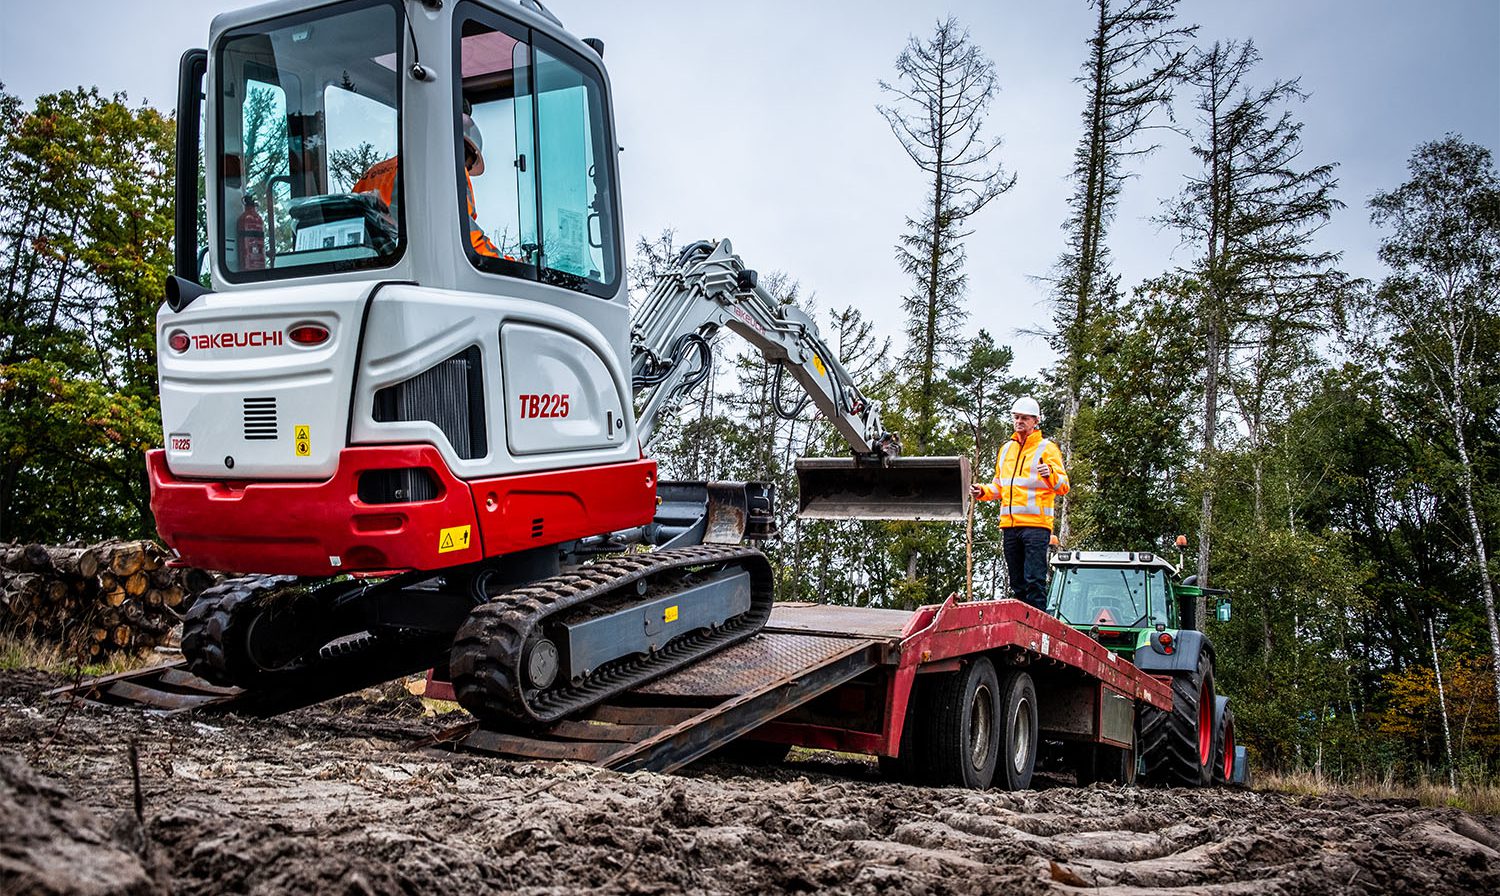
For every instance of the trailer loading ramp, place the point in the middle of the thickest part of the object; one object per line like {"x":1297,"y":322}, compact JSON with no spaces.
{"x":803,"y":652}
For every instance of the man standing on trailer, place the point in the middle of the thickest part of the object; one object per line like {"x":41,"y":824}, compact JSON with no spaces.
{"x":1029,"y":477}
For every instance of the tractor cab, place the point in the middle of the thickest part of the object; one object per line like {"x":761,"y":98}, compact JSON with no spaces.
{"x":1126,"y":599}
{"x":1122,"y":598}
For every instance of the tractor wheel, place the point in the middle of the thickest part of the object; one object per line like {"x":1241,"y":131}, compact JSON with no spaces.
{"x":1018,"y":732}
{"x":1224,"y":754}
{"x":960,"y":742}
{"x":1178,"y":747}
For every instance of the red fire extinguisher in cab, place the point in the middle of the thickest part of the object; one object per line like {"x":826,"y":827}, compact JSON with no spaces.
{"x":252,"y":238}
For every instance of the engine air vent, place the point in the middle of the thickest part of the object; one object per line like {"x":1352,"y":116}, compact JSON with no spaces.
{"x":536,"y":527}
{"x":260,"y":419}
{"x":397,"y":486}
{"x":450,"y":395}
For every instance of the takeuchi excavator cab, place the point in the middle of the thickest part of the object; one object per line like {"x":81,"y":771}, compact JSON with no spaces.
{"x":339,"y":342}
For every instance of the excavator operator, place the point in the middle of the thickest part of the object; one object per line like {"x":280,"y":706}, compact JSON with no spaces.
{"x":381,"y":178}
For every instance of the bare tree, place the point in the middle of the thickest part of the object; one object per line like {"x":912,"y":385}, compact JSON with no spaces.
{"x":944,"y":88}
{"x":1135,"y":60}
{"x":1251,"y":214}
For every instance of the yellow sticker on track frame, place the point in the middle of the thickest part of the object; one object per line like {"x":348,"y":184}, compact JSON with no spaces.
{"x":455,"y":538}
{"x":670,"y":615}
{"x":302,"y":440}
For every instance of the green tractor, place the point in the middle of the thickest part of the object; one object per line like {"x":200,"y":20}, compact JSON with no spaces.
{"x":1133,"y":603}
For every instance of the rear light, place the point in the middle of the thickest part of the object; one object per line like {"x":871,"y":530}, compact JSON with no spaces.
{"x":309,"y":334}
{"x":179,"y":341}
{"x":1164,"y":642}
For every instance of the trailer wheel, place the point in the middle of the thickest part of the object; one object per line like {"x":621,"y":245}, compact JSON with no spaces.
{"x":1224,"y":757}
{"x":960,"y":742}
{"x":1178,"y":747}
{"x":1018,"y":730}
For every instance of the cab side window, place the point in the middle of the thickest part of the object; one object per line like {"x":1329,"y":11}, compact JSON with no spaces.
{"x":545,"y":201}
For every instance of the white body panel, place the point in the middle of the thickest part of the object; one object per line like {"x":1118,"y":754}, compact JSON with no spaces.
{"x":584,"y":340}
{"x":412,"y":328}
{"x":242,"y":351}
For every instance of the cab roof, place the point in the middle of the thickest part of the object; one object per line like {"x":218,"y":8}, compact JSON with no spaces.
{"x":1124,"y":559}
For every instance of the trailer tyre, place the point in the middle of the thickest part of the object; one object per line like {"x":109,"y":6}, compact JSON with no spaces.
{"x":960,"y":742}
{"x":1178,"y":748}
{"x":1018,"y":732}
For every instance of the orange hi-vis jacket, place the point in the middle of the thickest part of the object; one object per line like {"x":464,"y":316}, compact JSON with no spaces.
{"x":381,"y":178}
{"x":1026,"y":498}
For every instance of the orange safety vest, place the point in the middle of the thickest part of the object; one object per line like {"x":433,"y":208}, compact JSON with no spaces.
{"x":381,"y":178}
{"x":1026,"y":499}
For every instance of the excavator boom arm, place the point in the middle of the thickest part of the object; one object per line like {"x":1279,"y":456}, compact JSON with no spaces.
{"x":709,"y":288}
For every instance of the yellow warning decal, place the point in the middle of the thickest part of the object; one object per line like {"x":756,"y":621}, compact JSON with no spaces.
{"x":670,"y":615}
{"x":818,"y":363}
{"x":454,"y":539}
{"x":302,"y":438}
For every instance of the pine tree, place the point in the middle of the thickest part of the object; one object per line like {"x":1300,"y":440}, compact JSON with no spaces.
{"x":944,"y":90}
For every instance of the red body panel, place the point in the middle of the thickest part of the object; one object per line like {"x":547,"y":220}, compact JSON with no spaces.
{"x":322,"y":528}
{"x":519,"y":512}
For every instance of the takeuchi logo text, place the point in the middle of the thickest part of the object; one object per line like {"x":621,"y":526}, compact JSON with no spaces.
{"x":251,"y":339}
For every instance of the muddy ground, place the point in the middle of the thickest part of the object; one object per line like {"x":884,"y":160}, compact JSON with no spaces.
{"x":333,"y":799}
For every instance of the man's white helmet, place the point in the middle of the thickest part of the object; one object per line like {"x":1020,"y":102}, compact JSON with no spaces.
{"x":1027,"y":405}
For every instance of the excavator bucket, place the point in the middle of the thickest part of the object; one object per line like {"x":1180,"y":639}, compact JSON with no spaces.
{"x":902,"y":488}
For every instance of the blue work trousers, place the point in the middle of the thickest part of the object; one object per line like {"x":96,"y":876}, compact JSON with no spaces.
{"x":1026,"y":562}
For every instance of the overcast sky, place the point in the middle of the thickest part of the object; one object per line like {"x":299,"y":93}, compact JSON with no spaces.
{"x":757,"y":121}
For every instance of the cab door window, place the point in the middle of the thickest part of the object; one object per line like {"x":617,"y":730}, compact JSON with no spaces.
{"x":544,"y":205}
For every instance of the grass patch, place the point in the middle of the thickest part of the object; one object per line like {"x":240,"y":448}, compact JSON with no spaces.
{"x":1483,"y":799}
{"x":26,"y":652}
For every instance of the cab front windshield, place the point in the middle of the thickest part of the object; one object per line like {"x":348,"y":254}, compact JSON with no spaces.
{"x":1089,"y":596}
{"x":306,"y":106}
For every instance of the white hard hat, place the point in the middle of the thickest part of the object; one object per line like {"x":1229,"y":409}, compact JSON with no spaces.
{"x":475,"y":140}
{"x":1027,"y":405}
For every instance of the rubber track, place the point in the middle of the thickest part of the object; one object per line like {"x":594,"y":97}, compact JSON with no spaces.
{"x":210,"y":625}
{"x":1169,"y":740}
{"x":210,"y":629}
{"x":486,"y":658}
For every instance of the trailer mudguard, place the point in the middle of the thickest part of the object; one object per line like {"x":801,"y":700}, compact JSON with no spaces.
{"x":1183,"y":658}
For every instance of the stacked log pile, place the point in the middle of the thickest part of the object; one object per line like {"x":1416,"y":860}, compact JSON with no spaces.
{"x":95,"y":599}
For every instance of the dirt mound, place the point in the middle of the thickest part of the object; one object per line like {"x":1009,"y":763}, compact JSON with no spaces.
{"x":50,"y":844}
{"x":334,"y":799}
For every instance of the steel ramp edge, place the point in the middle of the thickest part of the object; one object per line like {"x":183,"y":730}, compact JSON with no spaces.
{"x":167,"y":689}
{"x":660,"y":736}
{"x":170,"y":689}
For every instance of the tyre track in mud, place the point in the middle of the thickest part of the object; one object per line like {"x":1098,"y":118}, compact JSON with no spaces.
{"x":333,"y":799}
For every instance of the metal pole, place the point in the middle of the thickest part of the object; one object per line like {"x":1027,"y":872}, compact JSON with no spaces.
{"x":969,"y":553}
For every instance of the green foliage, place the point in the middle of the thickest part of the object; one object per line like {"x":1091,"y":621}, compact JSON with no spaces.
{"x":85,"y":243}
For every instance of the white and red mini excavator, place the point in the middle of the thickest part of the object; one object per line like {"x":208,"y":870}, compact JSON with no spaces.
{"x":402,"y":401}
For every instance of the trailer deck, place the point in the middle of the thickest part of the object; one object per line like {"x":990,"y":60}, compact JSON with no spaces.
{"x":818,"y":676}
